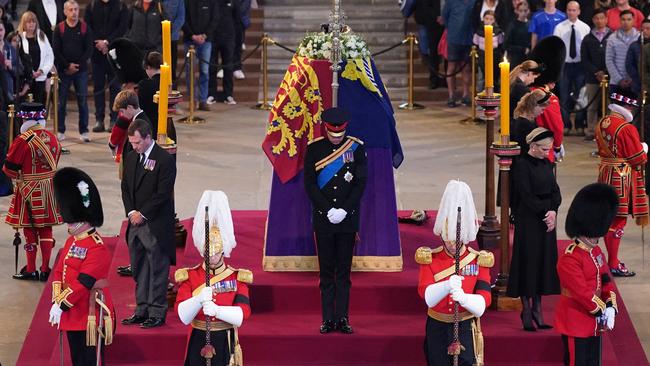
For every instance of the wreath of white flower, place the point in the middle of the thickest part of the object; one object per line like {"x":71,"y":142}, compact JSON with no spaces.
{"x":319,"y":46}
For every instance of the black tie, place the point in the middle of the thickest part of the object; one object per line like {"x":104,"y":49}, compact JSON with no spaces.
{"x":572,"y":43}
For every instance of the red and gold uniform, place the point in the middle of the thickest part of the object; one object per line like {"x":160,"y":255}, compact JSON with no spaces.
{"x":230,"y":288}
{"x":551,"y":119}
{"x":587,"y":290}
{"x":32,"y":162}
{"x":622,"y":162}
{"x":81,"y":272}
{"x":437,"y":265}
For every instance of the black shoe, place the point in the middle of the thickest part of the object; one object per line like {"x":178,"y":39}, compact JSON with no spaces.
{"x":538,"y":323}
{"x":344,"y":325}
{"x":134,"y":319}
{"x":622,"y":271}
{"x":327,"y":326}
{"x":152,"y":323}
{"x":44,"y":275}
{"x":125,"y":271}
{"x":27,"y":276}
{"x":527,"y":321}
{"x":99,"y":127}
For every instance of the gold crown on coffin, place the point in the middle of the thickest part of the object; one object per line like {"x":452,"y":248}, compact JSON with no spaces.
{"x":216,"y":241}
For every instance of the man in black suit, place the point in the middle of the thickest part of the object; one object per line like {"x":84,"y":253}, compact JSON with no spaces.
{"x":335,"y":177}
{"x":45,"y":13}
{"x":148,"y":87}
{"x":147,"y":194}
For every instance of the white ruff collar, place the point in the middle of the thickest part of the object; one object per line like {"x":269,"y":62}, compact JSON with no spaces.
{"x":622,"y":111}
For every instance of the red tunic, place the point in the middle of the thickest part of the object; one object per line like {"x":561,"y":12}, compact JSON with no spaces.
{"x":474,"y":267}
{"x":118,"y":138}
{"x":230,"y":288}
{"x":551,"y":119}
{"x":85,"y":263}
{"x":33,"y":156}
{"x":587,"y":288}
{"x":622,"y":162}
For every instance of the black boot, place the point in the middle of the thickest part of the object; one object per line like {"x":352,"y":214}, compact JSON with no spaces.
{"x":537,"y":313}
{"x":327,"y":326}
{"x":44,"y":276}
{"x":24,"y":275}
{"x":344,"y":325}
{"x":526,"y":315}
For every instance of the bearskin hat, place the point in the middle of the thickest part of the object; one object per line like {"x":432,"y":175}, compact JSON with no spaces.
{"x":78,"y":197}
{"x":126,"y":61}
{"x":592,"y":211}
{"x":550,"y":52}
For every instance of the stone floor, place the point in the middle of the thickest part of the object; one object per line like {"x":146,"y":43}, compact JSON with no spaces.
{"x":225,"y":154}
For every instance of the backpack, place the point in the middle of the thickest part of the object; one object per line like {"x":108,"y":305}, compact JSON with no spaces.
{"x":84,"y":27}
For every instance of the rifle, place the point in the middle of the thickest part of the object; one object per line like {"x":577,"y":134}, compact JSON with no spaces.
{"x":208,"y":350}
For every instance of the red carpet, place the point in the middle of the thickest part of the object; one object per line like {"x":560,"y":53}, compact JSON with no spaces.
{"x":386,"y":312}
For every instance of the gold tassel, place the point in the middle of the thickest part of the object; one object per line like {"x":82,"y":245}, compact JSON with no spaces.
{"x":108,"y":330}
{"x":477,"y":336}
{"x":91,"y":331}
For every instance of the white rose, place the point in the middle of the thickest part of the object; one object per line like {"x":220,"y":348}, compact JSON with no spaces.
{"x":354,"y":54}
{"x":327,"y":54}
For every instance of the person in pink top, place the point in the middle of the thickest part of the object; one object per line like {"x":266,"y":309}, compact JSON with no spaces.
{"x":614,"y":15}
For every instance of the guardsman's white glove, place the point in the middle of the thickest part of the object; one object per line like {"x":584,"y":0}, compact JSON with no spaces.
{"x":473,"y":303}
{"x":610,"y":317}
{"x":55,"y":315}
{"x":188,"y":309}
{"x":437,"y":291}
{"x":210,"y":308}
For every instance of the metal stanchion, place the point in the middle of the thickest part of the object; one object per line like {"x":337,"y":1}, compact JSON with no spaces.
{"x":604,"y":84}
{"x":410,"y":38}
{"x":54,"y":89}
{"x":473,"y":55}
{"x":11,"y":112}
{"x":265,"y":105}
{"x":191,"y":119}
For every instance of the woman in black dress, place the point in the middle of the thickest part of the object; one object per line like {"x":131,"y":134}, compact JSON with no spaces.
{"x":520,"y":78}
{"x":533,"y":271}
{"x":531,"y":105}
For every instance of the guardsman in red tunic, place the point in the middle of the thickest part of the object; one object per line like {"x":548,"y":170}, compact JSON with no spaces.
{"x":622,"y":163}
{"x":588,"y":302}
{"x":81,"y":302}
{"x":440,"y":287}
{"x":225,"y":304}
{"x":31,"y":162}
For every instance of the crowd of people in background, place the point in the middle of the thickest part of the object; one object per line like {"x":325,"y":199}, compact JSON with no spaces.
{"x":603,"y":39}
{"x":38,"y":42}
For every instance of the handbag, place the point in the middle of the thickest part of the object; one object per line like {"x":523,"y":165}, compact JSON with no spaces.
{"x":442,"y":45}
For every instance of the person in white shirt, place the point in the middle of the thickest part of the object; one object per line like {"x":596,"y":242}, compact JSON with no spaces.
{"x":572,"y":31}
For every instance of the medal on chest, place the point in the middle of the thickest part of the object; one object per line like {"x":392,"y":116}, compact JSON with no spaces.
{"x":77,"y":252}
{"x":348,"y":156}
{"x":599,"y":260}
{"x":348,"y":177}
{"x":469,"y":270}
{"x":225,"y":286}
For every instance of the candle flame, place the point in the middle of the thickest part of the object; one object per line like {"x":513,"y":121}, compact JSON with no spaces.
{"x":505,"y":59}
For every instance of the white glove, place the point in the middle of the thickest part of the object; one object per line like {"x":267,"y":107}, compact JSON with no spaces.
{"x":330,"y":213}
{"x":473,"y":303}
{"x":231,"y":314}
{"x":459,"y":296}
{"x":337,"y":215}
{"x":55,"y":315}
{"x":645,"y":147}
{"x":210,"y":308}
{"x":610,"y":316}
{"x":559,"y":155}
{"x":455,"y":282}
{"x":205,"y":295}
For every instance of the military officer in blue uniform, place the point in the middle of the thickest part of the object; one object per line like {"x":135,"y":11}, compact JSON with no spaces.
{"x":335,"y":177}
